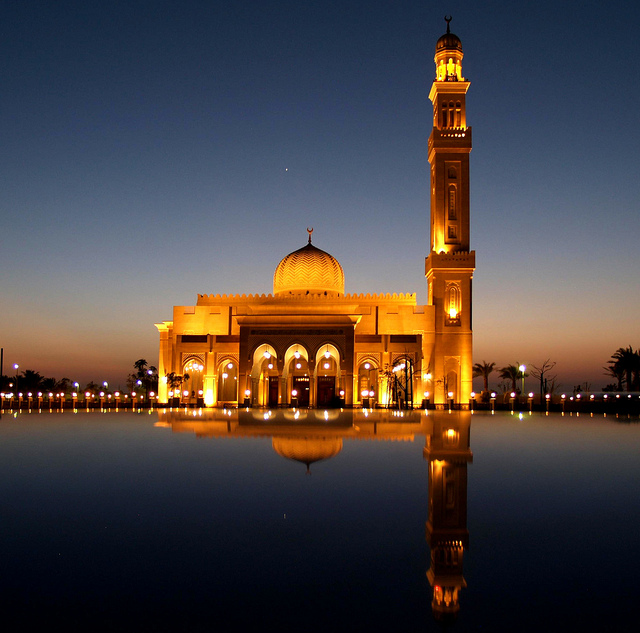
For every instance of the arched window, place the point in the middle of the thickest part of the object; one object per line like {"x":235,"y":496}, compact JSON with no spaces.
{"x":452,"y":212}
{"x":452,"y":304}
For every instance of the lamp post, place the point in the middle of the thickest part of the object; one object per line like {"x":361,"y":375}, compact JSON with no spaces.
{"x":522,"y":369}
{"x":16,"y":366}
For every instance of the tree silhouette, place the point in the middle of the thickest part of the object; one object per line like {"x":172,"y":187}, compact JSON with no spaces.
{"x":512,"y":373}
{"x":541,"y":374}
{"x":483,"y":369}
{"x":625,"y":363}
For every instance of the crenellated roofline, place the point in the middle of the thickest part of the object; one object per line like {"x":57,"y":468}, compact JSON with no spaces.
{"x":211,"y":299}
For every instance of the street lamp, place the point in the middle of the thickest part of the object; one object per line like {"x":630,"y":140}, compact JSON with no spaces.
{"x":522,"y":369}
{"x":16,"y":368}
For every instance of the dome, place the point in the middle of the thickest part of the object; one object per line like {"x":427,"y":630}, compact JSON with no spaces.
{"x":449,"y":41}
{"x":308,"y":270}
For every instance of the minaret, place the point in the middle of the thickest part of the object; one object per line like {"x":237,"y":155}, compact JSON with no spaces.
{"x":450,"y":264}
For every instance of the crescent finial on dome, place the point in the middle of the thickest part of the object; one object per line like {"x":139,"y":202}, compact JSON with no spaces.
{"x":309,"y":231}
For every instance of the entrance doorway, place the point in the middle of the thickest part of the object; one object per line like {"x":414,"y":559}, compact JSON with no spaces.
{"x":326,"y":391}
{"x":273,"y":391}
{"x":301,"y":386}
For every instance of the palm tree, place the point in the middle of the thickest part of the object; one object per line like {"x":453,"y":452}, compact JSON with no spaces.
{"x":625,"y":362}
{"x":48,"y":384}
{"x":141,"y":365}
{"x":31,"y":380}
{"x":152,"y":375}
{"x":63,"y":384}
{"x":483,"y":369}
{"x":512,"y":373}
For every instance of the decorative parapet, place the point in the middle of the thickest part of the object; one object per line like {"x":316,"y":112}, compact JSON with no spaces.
{"x":455,"y":137}
{"x":211,"y":299}
{"x":455,"y":259}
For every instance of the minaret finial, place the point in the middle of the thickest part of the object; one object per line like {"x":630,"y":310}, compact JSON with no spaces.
{"x":309,"y":231}
{"x":447,"y":19}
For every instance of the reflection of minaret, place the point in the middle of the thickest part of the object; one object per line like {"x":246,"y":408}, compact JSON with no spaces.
{"x":448,"y":453}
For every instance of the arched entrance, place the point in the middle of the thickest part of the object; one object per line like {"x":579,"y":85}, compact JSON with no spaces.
{"x":265,"y":380}
{"x":327,"y":377}
{"x":228,"y":381}
{"x":368,"y":383}
{"x":192,"y":387}
{"x":400,"y":383}
{"x":297,"y":377}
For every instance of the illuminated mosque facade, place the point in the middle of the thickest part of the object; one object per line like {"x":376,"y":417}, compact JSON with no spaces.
{"x":308,"y":344}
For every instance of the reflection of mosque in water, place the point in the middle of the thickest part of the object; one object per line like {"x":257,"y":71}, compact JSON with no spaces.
{"x":309,"y":436}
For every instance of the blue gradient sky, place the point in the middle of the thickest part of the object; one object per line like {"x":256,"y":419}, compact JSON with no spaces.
{"x":155,"y":150}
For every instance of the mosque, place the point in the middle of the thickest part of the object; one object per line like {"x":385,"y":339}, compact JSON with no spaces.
{"x":308,"y":344}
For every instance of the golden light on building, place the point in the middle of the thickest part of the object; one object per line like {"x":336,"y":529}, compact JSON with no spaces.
{"x":330,"y":347}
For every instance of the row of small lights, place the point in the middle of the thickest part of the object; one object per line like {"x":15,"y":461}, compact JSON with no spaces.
{"x":326,"y":365}
{"x":74,"y":395}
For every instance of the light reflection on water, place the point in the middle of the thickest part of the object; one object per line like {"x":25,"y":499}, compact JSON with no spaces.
{"x":228,"y":520}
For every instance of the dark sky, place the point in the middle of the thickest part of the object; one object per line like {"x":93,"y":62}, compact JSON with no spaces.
{"x":152,"y":151}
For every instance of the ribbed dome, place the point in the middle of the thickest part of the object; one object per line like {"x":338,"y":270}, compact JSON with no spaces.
{"x":449,"y":41}
{"x":308,"y":270}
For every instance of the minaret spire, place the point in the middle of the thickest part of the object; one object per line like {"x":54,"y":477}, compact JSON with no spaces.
{"x":448,"y":19}
{"x":309,"y":231}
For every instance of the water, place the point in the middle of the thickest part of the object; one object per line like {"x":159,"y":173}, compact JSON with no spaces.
{"x":162,"y":523}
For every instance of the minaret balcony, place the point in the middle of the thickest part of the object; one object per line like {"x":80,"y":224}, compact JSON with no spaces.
{"x":450,"y":137}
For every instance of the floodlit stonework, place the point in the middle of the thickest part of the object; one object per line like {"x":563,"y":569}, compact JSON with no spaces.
{"x":311,"y":345}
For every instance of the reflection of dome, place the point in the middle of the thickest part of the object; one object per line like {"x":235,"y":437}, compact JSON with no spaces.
{"x":308,"y":271}
{"x":307,"y":450}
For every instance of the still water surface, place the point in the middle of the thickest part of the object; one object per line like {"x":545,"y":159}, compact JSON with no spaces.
{"x":158,"y":522}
